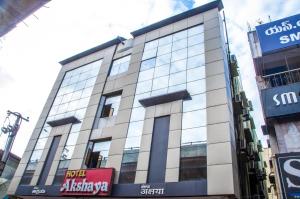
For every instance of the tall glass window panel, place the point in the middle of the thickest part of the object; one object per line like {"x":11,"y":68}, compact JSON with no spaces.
{"x":120,"y":65}
{"x":128,"y":166}
{"x":194,"y":119}
{"x":69,"y":101}
{"x":98,"y":156}
{"x":195,"y":61}
{"x":195,"y":74}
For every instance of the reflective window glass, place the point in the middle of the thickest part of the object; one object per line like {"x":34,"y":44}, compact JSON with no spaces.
{"x":197,"y":102}
{"x":151,"y":45}
{"x":196,"y":50}
{"x":179,"y":44}
{"x":195,"y":30}
{"x":146,"y":75}
{"x":165,"y":40}
{"x":190,"y":136}
{"x":196,"y":61}
{"x":41,"y":143}
{"x":162,"y":70}
{"x":149,"y":54}
{"x":178,"y":66}
{"x":137,"y":114}
{"x":179,"y":54}
{"x":135,"y":129}
{"x":143,"y":87}
{"x":196,"y":87}
{"x":159,"y":92}
{"x":67,"y":152}
{"x":147,"y":64}
{"x":164,"y":49}
{"x":177,"y":78}
{"x":196,"y":39}
{"x":133,"y":142}
{"x":179,"y":87}
{"x":194,"y":119}
{"x":195,"y":74}
{"x":161,"y":82}
{"x":72,"y":139}
{"x":164,"y":59}
{"x":180,"y":35}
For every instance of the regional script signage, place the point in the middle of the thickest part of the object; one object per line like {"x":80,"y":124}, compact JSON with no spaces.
{"x":289,"y":174}
{"x":280,"y":101}
{"x":152,"y":189}
{"x":279,"y":34}
{"x":94,"y":182}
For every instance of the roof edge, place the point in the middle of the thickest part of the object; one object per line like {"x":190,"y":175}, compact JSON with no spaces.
{"x":214,"y":4}
{"x":112,"y":42}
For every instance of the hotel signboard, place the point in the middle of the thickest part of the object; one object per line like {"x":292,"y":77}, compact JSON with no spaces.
{"x":279,"y":34}
{"x":281,"y":101}
{"x":289,"y":174}
{"x":88,"y":182}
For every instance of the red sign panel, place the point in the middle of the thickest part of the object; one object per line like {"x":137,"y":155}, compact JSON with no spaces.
{"x":87,"y":182}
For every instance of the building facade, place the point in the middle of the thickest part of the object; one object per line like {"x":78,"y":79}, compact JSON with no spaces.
{"x":150,"y":116}
{"x":276,"y":57}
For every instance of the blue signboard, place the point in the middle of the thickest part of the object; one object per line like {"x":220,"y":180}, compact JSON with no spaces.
{"x":281,"y":101}
{"x":279,"y":34}
{"x":288,"y":170}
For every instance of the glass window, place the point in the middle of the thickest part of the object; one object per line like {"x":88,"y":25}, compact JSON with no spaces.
{"x":193,"y":135}
{"x":151,"y":45}
{"x":120,"y":65}
{"x":149,"y":54}
{"x":60,"y":172}
{"x":36,"y":155}
{"x":165,"y":40}
{"x":146,"y":75}
{"x":196,"y":39}
{"x":143,"y":87}
{"x":135,"y":129}
{"x":133,"y":142}
{"x":111,"y":106}
{"x":162,"y":70}
{"x":178,"y":66}
{"x":195,"y":74}
{"x":179,"y":87}
{"x":67,"y":152}
{"x":196,"y":61}
{"x":147,"y":64}
{"x":72,"y":139}
{"x":128,"y":166}
{"x":177,"y":78}
{"x":136,"y":102}
{"x":197,"y":102}
{"x":194,"y":119}
{"x":137,"y":114}
{"x":97,"y":157}
{"x":193,"y":162}
{"x":41,"y":143}
{"x":164,"y":59}
{"x":179,"y":44}
{"x":159,"y":92}
{"x":195,"y":30}
{"x":196,"y":50}
{"x":196,"y":87}
{"x":179,"y":54}
{"x":161,"y":82}
{"x":180,"y":35}
{"x":164,"y":49}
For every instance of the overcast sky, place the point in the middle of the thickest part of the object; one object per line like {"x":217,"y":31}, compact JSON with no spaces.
{"x":30,"y":53}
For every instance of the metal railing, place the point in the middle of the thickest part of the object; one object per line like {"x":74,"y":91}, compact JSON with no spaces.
{"x":282,"y":78}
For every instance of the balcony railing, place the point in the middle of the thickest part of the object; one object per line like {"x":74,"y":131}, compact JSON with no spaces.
{"x":281,"y":79}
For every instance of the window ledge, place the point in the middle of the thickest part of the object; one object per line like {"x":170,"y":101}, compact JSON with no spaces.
{"x":165,"y":98}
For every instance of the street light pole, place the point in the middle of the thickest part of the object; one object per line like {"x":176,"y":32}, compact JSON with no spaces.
{"x":12,"y":131}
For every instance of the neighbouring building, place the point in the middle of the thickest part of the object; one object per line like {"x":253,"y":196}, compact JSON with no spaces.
{"x":276,"y":57}
{"x":159,"y":115}
{"x":270,"y":172}
{"x":7,"y":171}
